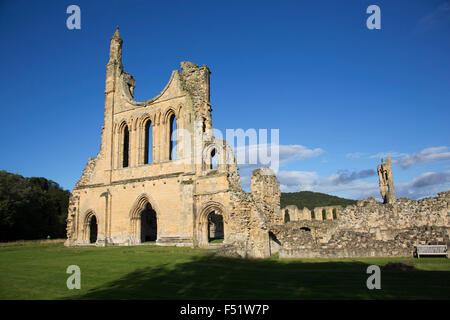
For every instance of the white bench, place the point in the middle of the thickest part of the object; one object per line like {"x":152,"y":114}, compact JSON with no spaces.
{"x":431,"y":250}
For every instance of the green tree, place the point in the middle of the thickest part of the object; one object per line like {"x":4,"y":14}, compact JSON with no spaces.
{"x":31,"y":208}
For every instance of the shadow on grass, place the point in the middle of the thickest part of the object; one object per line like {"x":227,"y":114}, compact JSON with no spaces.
{"x":216,"y":277}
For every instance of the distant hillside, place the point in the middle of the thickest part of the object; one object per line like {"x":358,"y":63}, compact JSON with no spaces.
{"x":311,"y":200}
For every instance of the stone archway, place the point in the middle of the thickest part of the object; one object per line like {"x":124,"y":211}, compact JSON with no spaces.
{"x":211,"y":224}
{"x":149,"y":224}
{"x":90,"y":228}
{"x":93,"y":229}
{"x":215,"y":227}
{"x":144,"y":220}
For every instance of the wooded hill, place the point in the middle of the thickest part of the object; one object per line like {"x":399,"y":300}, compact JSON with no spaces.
{"x":311,"y":200}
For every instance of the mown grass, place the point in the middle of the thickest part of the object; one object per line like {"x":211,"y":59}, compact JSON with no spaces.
{"x":147,"y":272}
{"x":216,"y":241}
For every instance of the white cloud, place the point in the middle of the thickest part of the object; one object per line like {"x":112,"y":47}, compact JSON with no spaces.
{"x":425,"y":155}
{"x":344,"y":176}
{"x":355,"y":155}
{"x":431,"y":178}
{"x":405,"y":160}
{"x":425,"y":185}
{"x":438,"y":17}
{"x":298,"y":152}
{"x":384,"y":155}
{"x":257,"y":155}
{"x":302,"y":180}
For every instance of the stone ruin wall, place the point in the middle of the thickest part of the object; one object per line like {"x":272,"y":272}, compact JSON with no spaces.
{"x":251,"y":215}
{"x":253,"y":222}
{"x":266,"y":193}
{"x":184,"y":191}
{"x":367,"y":229}
{"x":295,"y":214}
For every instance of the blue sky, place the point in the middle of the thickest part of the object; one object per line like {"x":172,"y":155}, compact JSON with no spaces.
{"x":342,"y":96}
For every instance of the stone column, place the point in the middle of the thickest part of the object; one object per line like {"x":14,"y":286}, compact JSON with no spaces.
{"x":330,"y":214}
{"x":318,"y":213}
{"x":132,"y":155}
{"x":180,"y":138}
{"x":162,"y":142}
{"x":155,"y":141}
{"x":140,"y":144}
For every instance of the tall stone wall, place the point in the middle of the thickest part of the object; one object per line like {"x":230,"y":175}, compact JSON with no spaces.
{"x":265,"y":191}
{"x":178,"y":182}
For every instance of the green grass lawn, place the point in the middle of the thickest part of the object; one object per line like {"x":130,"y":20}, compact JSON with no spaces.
{"x":216,"y":241}
{"x":39,"y":272}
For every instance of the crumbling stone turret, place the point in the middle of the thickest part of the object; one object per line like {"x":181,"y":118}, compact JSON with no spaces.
{"x":386,"y":181}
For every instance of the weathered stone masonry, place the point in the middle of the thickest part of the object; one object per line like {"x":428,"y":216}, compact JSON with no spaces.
{"x":146,"y":184}
{"x":369,"y":229}
{"x":154,"y":179}
{"x":386,"y":181}
{"x":292,"y":213}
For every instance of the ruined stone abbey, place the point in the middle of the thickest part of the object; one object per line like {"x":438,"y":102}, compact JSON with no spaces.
{"x":161,"y":177}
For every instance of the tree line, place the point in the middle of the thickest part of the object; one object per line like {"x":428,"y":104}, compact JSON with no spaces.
{"x":31,"y":208}
{"x":312,"y":200}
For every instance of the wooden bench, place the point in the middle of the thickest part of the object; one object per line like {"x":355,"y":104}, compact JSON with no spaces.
{"x":431,"y":250}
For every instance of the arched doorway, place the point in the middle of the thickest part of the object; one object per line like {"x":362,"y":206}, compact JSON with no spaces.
{"x":143,"y":221}
{"x":149,"y":225}
{"x":211,"y":225}
{"x":90,"y":227}
{"x":93,"y":229}
{"x":215,"y":227}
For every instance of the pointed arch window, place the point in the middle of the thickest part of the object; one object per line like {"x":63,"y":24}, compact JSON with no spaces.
{"x":214,"y":159}
{"x":126,"y":147}
{"x":172,"y":137}
{"x":148,"y":142}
